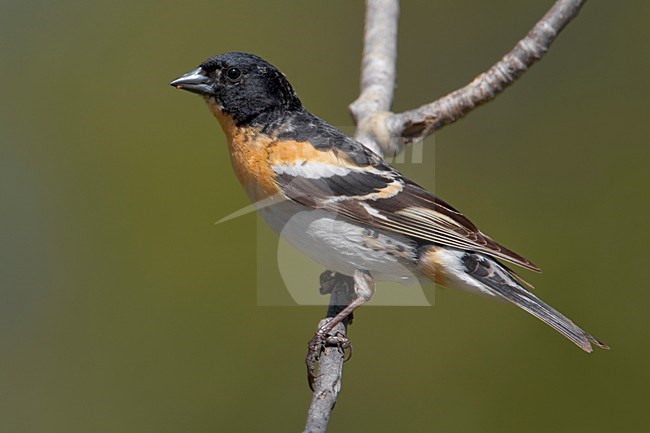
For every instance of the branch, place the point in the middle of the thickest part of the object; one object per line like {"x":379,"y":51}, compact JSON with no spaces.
{"x":330,"y":365}
{"x":377,"y":70}
{"x":386,"y":133}
{"x":377,"y":84}
{"x":392,"y":131}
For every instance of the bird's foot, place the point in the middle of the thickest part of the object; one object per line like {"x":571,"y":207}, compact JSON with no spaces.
{"x":317,"y":344}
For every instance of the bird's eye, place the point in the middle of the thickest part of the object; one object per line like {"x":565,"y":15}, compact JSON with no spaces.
{"x":233,"y":74}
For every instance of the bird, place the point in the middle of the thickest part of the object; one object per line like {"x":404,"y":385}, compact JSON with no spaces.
{"x":345,"y":206}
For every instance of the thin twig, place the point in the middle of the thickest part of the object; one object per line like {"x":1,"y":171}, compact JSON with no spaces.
{"x":414,"y":125}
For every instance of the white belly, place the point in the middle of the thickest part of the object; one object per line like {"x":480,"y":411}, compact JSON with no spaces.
{"x":341,"y":245}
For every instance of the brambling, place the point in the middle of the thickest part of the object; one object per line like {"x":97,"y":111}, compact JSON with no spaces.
{"x":343,"y":205}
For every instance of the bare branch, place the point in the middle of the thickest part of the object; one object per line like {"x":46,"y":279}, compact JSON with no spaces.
{"x":377,"y":70}
{"x":377,"y":84}
{"x":414,"y":125}
{"x":330,"y":364}
{"x":386,"y":133}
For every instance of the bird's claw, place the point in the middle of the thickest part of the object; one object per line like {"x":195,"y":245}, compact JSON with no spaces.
{"x":317,"y":344}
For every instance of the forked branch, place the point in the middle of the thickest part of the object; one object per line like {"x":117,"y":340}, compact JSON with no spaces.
{"x":386,"y":133}
{"x":389,"y":132}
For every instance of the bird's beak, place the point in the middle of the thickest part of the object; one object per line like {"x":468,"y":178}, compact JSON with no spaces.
{"x":194,"y":81}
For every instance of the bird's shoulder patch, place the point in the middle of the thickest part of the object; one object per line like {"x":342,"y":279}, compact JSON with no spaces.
{"x":302,"y":126}
{"x":317,"y":176}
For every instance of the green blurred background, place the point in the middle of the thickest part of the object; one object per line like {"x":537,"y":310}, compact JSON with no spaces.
{"x":123,"y":308}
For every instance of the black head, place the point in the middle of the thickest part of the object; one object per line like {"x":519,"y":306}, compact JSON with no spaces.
{"x":241,"y":85}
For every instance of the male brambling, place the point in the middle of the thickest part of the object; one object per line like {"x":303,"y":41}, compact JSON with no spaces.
{"x":343,"y":205}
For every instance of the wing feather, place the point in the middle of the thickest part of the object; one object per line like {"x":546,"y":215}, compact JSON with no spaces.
{"x":381,"y":197}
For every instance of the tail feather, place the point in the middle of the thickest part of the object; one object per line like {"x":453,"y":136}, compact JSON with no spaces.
{"x":491,"y":274}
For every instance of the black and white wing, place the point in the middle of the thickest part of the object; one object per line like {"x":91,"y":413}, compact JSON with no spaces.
{"x":357,"y":184}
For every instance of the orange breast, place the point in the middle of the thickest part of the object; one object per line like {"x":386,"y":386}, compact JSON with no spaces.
{"x":249,"y":156}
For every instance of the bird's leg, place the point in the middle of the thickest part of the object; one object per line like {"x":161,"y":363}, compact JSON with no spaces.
{"x":364,"y":288}
{"x":340,"y":287}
